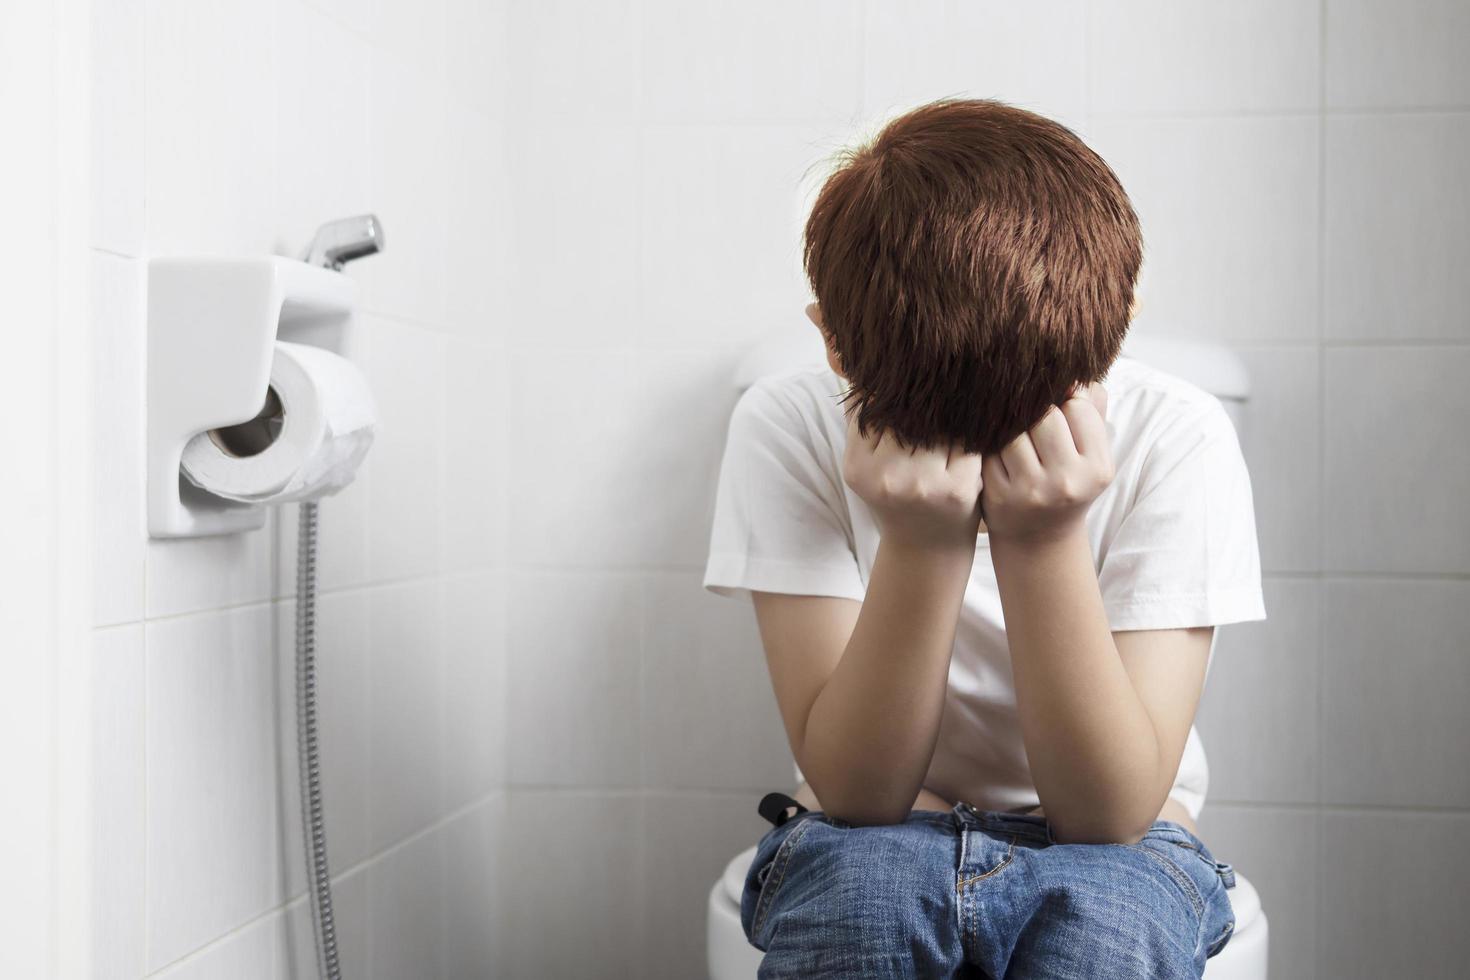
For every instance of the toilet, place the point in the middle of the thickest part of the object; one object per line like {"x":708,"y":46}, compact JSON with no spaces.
{"x":1212,"y":367}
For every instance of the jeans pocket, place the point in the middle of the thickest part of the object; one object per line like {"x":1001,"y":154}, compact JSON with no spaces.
{"x":767,"y":869}
{"x":1222,"y":870}
{"x":1222,"y":933}
{"x":1212,"y":879}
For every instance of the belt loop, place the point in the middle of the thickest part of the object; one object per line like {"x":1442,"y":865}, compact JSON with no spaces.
{"x":957,"y":814}
{"x":773,"y":807}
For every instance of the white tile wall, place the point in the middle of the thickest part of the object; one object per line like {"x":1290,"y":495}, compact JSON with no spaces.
{"x":479,"y":257}
{"x":1159,"y":56}
{"x":1279,"y":436}
{"x":475,"y":896}
{"x":472,"y":515}
{"x":1395,"y":682}
{"x":406,"y":697}
{"x":1252,"y":182}
{"x":411,"y":32}
{"x":475,"y":685}
{"x":904,"y":60}
{"x":572,"y":426}
{"x":241,"y":570}
{"x":406,"y":370}
{"x":119,"y":539}
{"x":1279,"y":850}
{"x":1400,"y":54}
{"x":477,"y":53}
{"x":687,"y":839}
{"x":1265,"y":672}
{"x":406,"y":896}
{"x":344,"y":726}
{"x":709,"y":720}
{"x":118,"y":141}
{"x":574,"y":684}
{"x":724,"y":265}
{"x":691,"y":385}
{"x":1397,"y":226}
{"x":213,"y":835}
{"x":119,"y":760}
{"x":342,"y":541}
{"x":570,"y":60}
{"x":577,"y":906}
{"x":1395,"y":463}
{"x":351,"y":917}
{"x":574,"y":211}
{"x":408,"y":141}
{"x":238,"y":129}
{"x":916,"y":52}
{"x":322,"y":100}
{"x":43,"y":274}
{"x":1393,"y":891}
{"x":210,"y":119}
{"x":252,"y":953}
{"x":759,"y":61}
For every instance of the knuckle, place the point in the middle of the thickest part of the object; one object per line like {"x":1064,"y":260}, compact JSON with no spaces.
{"x":958,"y":494}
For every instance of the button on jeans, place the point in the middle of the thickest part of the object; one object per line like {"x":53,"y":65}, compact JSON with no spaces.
{"x":981,"y":893}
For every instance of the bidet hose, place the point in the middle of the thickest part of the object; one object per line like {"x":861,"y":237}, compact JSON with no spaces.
{"x":313,"y":827}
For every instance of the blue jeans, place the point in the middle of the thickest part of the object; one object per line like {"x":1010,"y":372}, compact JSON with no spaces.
{"x":981,"y":893}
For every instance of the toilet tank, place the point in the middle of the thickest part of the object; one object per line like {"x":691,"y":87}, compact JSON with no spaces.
{"x":1211,"y":366}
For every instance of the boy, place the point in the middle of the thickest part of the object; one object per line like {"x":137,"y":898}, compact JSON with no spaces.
{"x":998,"y":764}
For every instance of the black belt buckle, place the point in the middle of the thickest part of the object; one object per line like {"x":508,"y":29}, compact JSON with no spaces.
{"x":773,"y":807}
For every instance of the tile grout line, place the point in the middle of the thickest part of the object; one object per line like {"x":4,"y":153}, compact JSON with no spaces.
{"x":297,"y":900}
{"x":1319,"y":838}
{"x":681,"y":568}
{"x":1319,"y":807}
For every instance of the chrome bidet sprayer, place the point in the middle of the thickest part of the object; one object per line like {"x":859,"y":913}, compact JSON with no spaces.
{"x":334,"y":244}
{"x":338,"y":242}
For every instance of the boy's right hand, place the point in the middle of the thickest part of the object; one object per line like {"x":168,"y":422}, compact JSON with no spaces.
{"x":922,"y":497}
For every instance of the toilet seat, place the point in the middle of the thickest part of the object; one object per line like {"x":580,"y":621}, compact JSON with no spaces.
{"x":731,"y":957}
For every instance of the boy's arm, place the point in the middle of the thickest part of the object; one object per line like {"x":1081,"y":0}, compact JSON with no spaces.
{"x":862,"y":700}
{"x":861,"y":686}
{"x":1104,"y":720}
{"x":1104,"y":716}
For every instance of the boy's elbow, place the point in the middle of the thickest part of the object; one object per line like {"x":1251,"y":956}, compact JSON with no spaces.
{"x":862,"y":811}
{"x":859,"y":809}
{"x":868,"y":816}
{"x":1098,"y":835}
{"x":1101,"y":829}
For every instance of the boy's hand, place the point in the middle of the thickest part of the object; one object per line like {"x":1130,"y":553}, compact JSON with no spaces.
{"x":923,"y":497}
{"x":1041,"y":484}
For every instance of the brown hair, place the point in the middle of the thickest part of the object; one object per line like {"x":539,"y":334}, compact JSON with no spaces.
{"x":972,"y":262}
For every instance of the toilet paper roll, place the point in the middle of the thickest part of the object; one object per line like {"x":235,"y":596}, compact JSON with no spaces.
{"x":326,"y":418}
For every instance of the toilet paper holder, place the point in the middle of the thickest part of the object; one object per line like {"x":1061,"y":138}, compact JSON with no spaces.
{"x":212,"y":327}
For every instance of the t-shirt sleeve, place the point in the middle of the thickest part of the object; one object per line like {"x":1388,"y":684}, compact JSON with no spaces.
{"x":779,"y":517}
{"x":1185,"y":553}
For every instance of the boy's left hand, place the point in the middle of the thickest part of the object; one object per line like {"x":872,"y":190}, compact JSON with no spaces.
{"x":1040,"y":485}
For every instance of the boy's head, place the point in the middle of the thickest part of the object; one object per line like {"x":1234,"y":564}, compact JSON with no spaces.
{"x":972,"y":263}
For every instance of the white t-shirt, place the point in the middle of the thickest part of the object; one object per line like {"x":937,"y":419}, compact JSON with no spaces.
{"x":1173,"y":539}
